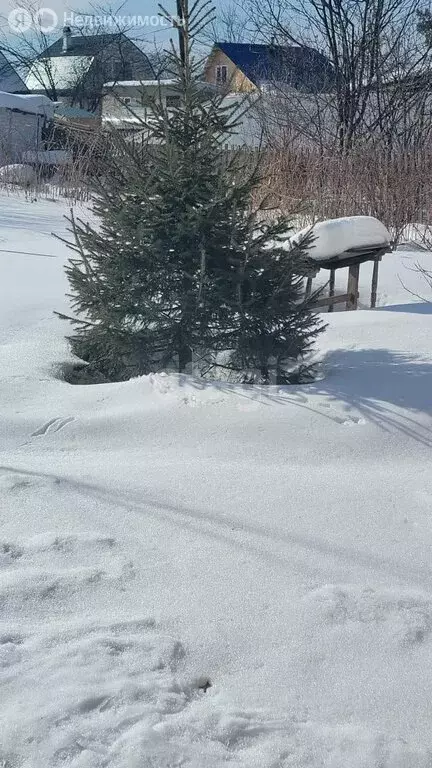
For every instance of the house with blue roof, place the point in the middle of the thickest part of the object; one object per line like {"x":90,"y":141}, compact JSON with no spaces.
{"x":247,"y":67}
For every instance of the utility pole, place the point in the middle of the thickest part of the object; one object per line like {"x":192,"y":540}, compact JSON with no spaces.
{"x":182,"y":12}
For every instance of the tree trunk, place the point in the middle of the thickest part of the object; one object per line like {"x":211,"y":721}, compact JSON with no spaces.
{"x":185,"y":359}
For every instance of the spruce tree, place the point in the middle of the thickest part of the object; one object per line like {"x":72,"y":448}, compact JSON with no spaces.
{"x":181,"y":263}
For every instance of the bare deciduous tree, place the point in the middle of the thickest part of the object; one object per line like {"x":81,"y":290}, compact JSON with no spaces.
{"x":366,"y":43}
{"x":232,"y":25}
{"x":25,"y":46}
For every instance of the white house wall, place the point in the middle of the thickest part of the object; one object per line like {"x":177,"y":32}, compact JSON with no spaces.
{"x":19,"y":133}
{"x":116,"y":113}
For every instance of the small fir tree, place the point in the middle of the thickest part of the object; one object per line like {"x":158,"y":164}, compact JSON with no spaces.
{"x":181,"y":264}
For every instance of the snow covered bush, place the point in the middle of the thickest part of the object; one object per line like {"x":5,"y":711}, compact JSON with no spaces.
{"x":182,"y":267}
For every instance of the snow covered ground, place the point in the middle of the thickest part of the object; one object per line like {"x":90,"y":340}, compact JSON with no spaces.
{"x":160,"y":535}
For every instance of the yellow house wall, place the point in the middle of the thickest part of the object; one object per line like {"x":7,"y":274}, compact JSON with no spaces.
{"x":236,"y":82}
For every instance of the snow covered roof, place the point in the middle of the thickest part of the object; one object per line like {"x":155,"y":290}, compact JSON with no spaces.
{"x":336,"y":238}
{"x":105,"y":46}
{"x":110,"y":119}
{"x":30,"y":103}
{"x":137,"y":83}
{"x":62,"y":72}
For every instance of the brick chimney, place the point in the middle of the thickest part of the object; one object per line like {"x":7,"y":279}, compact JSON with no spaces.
{"x":67,"y":34}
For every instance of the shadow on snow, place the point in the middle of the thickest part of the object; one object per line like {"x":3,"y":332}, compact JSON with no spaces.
{"x":390,"y":389}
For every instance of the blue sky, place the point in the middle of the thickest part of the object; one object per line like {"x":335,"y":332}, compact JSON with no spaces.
{"x":64,"y":10}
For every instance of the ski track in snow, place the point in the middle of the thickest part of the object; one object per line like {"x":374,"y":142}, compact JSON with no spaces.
{"x":309,"y":554}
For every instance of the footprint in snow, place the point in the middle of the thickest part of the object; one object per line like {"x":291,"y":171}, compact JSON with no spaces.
{"x":347,"y":421}
{"x":353,"y":420}
{"x":54,"y":425}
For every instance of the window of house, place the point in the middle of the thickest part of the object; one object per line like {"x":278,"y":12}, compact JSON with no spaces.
{"x":221,"y":74}
{"x":126,"y":100}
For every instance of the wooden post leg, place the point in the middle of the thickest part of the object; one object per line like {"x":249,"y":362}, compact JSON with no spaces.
{"x":374,"y":282}
{"x":308,"y":287}
{"x":332,"y":288}
{"x":352,"y":289}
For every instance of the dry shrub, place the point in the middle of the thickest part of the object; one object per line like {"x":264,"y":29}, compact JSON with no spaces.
{"x":396,"y":187}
